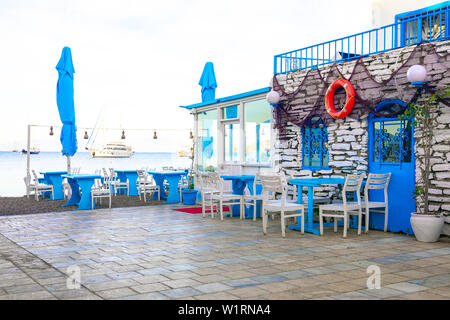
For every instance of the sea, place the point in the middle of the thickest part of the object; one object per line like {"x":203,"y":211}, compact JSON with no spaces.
{"x":13,"y":165}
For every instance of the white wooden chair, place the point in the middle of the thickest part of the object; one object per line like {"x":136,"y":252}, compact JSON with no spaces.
{"x":343,"y":210}
{"x":253,"y":199}
{"x":272,"y":184}
{"x":376,"y":181}
{"x":208,"y":187}
{"x":224,"y":198}
{"x":145,"y":185}
{"x":41,"y":188}
{"x":117,"y":184}
{"x":101,"y":190}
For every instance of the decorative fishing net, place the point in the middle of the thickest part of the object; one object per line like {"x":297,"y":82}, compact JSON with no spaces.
{"x":307,"y":100}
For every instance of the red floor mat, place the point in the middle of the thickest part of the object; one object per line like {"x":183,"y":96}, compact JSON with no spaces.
{"x":196,"y":210}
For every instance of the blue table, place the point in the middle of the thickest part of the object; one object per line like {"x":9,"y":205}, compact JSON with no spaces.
{"x":173,"y":178}
{"x":85,"y":183}
{"x":54,"y":178}
{"x":311,"y":183}
{"x":239,"y":182}
{"x":131,"y":176}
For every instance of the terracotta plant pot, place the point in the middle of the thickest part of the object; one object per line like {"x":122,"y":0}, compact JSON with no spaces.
{"x":427,"y":228}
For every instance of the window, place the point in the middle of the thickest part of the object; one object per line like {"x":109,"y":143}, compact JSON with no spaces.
{"x":207,"y":140}
{"x":231,"y":143}
{"x":257,"y":131}
{"x":392,"y":141}
{"x":315,"y":144}
{"x":231,"y":112}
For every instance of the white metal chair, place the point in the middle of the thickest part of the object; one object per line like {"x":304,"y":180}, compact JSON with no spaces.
{"x":183,"y":184}
{"x":145,"y":185}
{"x":117,"y":184}
{"x":343,"y":210}
{"x":101,"y":190}
{"x":272,"y":184}
{"x":224,"y":198}
{"x":376,"y":181}
{"x":41,"y":188}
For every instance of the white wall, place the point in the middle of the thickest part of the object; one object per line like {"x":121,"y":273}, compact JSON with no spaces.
{"x":384,"y":11}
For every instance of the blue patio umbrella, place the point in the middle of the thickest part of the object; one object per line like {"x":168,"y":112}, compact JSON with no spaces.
{"x":66,"y":107}
{"x":208,"y":82}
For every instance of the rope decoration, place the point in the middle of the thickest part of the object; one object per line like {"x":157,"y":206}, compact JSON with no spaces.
{"x":298,"y":106}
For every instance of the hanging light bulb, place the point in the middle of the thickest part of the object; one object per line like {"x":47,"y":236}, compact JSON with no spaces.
{"x":154,"y":135}
{"x":123,"y":135}
{"x":191,"y":136}
{"x":86,"y":135}
{"x":51,"y":131}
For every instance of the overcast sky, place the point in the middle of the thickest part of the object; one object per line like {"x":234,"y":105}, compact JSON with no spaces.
{"x":141,"y":60}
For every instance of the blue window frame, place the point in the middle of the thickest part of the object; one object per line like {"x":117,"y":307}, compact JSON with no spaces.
{"x":315,"y":144}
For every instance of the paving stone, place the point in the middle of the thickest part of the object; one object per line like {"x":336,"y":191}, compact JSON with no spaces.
{"x":406,"y":287}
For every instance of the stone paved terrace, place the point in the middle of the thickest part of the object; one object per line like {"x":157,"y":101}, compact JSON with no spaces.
{"x":157,"y":253}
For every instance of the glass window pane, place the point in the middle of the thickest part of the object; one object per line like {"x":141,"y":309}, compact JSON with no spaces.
{"x":257,"y":131}
{"x":230,"y":112}
{"x":207,"y":140}
{"x":232,"y":137}
{"x":392,"y":141}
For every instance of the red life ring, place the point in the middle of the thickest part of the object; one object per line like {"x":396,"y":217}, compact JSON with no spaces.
{"x":349,"y":103}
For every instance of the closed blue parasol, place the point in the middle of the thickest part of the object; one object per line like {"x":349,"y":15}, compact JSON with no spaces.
{"x":64,"y":100}
{"x":208,"y":82}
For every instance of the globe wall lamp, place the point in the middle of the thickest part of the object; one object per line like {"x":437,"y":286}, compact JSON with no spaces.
{"x":417,"y":75}
{"x":273,"y":98}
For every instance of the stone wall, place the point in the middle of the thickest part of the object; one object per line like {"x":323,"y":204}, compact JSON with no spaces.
{"x":348,"y":138}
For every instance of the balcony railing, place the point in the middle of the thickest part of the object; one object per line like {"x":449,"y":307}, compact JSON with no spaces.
{"x":429,"y":24}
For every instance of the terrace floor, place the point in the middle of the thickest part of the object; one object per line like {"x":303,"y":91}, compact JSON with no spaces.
{"x":157,"y":253}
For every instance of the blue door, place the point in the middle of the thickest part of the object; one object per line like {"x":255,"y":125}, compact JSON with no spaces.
{"x":391,"y":149}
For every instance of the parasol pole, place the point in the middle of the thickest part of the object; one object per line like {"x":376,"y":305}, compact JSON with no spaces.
{"x":28,"y":177}
{"x":68,"y":165}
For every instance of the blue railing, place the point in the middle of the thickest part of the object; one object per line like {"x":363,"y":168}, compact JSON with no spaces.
{"x":429,"y":24}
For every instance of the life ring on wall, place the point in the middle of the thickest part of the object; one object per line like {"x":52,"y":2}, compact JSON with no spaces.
{"x":349,"y":103}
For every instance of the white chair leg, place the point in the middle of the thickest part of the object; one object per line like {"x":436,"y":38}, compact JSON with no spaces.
{"x":302,"y":221}
{"x":335,"y":223}
{"x":254,"y":209}
{"x":221,"y":211}
{"x":203,"y":206}
{"x":320,"y":221}
{"x":110,"y":201}
{"x":359,"y":222}
{"x":385,"y":218}
{"x":367,"y":219}
{"x":283,"y":224}
{"x":345,"y":224}
{"x":264,"y":218}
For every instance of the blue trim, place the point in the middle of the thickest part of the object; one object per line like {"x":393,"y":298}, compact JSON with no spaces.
{"x":229,"y":98}
{"x":390,"y":101}
{"x":366,"y":43}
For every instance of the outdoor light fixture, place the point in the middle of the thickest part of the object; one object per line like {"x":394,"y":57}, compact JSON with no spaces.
{"x":123,"y":135}
{"x":191,"y":136}
{"x":51,"y":131}
{"x":417,"y":75}
{"x":273,"y":97}
{"x":154,"y":135}
{"x":86,"y":135}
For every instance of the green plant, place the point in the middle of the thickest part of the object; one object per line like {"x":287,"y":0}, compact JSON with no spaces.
{"x":425,"y":120}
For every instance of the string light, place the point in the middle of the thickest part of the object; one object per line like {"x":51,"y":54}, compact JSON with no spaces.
{"x":51,"y":131}
{"x":86,"y":135}
{"x":191,"y":136}
{"x":154,"y":135}
{"x":123,"y":135}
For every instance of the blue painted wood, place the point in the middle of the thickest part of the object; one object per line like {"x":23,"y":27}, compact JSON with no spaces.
{"x":239,"y":182}
{"x":85,"y":183}
{"x":340,"y":49}
{"x":400,"y":190}
{"x":131,"y":176}
{"x":173,"y":178}
{"x":55,"y":179}
{"x":311,"y":183}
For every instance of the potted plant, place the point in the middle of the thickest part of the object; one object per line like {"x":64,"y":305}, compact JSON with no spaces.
{"x":427,"y":226}
{"x":189,"y":194}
